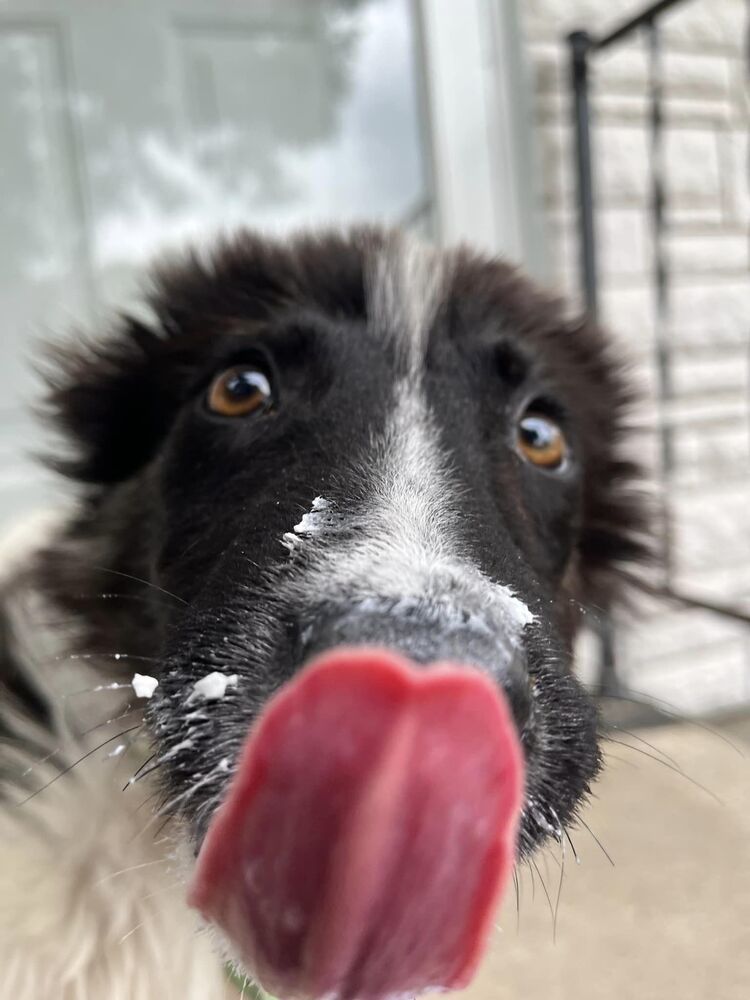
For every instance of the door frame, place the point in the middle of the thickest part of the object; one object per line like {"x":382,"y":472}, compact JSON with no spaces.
{"x":480,"y":128}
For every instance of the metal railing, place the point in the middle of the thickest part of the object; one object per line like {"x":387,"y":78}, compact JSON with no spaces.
{"x":583,"y":50}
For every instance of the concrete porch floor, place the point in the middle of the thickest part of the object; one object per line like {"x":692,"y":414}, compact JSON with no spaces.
{"x":671,"y":919}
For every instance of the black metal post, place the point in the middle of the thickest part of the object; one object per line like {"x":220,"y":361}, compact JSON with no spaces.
{"x":662,"y":352}
{"x":580,"y":45}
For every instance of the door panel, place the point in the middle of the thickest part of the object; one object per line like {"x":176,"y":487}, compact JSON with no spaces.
{"x":130,"y":126}
{"x":43,"y":259}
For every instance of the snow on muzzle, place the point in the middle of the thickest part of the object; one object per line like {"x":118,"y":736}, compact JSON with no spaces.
{"x":369,"y":830}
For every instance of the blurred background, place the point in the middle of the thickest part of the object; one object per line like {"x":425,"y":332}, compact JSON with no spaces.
{"x":614,"y":167}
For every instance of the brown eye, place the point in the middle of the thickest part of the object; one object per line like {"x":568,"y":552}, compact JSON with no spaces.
{"x":541,"y":442}
{"x":240,"y":391}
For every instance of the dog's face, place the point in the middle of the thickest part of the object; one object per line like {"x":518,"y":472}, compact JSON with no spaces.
{"x":341,"y":442}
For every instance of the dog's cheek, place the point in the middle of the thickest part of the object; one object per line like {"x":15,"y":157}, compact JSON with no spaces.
{"x":197,"y":739}
{"x":563,"y":758}
{"x":554,"y":509}
{"x":561,"y":742}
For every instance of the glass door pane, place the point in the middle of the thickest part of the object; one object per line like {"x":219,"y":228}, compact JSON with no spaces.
{"x":130,"y":127}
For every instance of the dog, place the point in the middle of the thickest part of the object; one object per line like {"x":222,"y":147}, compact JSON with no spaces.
{"x":335,"y":441}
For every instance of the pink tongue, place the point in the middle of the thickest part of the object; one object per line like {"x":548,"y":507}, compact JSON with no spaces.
{"x":368,"y":831}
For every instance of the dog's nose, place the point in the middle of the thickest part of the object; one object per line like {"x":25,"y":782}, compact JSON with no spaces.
{"x":427,"y":635}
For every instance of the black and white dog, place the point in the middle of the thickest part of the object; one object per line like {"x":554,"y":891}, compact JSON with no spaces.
{"x":335,"y":441}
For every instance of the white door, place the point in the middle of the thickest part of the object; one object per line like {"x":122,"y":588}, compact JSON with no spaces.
{"x":131,"y":125}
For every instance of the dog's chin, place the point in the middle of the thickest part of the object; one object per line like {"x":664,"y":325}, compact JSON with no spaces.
{"x":369,"y":829}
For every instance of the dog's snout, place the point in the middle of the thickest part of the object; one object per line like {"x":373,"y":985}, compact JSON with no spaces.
{"x":427,"y":635}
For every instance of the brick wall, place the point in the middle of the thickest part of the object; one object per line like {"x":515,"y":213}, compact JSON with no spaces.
{"x":694,"y":660}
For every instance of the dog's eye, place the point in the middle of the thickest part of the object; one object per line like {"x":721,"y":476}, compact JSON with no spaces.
{"x":541,"y":441}
{"x":239,"y":392}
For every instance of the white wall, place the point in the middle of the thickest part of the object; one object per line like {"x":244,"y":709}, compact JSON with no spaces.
{"x":693,"y":659}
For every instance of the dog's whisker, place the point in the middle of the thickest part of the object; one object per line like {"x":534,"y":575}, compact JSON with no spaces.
{"x":130,"y":933}
{"x":649,"y":701}
{"x":37,"y":763}
{"x":131,"y":868}
{"x":639,"y":739}
{"x":106,"y":656}
{"x":162,"y":890}
{"x":676,"y":769}
{"x":548,"y":857}
{"x":559,"y":889}
{"x":156,"y":794}
{"x":141,"y":580}
{"x":545,"y":859}
{"x":178,"y":802}
{"x":598,"y":842}
{"x":147,"y":799}
{"x":621,"y":760}
{"x":162,"y":827}
{"x":546,"y":893}
{"x":109,"y":595}
{"x":112,"y":686}
{"x":586,"y":608}
{"x":89,"y":656}
{"x":134,"y":777}
{"x":129,"y":710}
{"x":533,"y":881}
{"x":572,"y":845}
{"x":81,"y":759}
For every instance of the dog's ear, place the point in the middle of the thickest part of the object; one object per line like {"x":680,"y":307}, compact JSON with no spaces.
{"x":112,"y":401}
{"x":617,"y":542}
